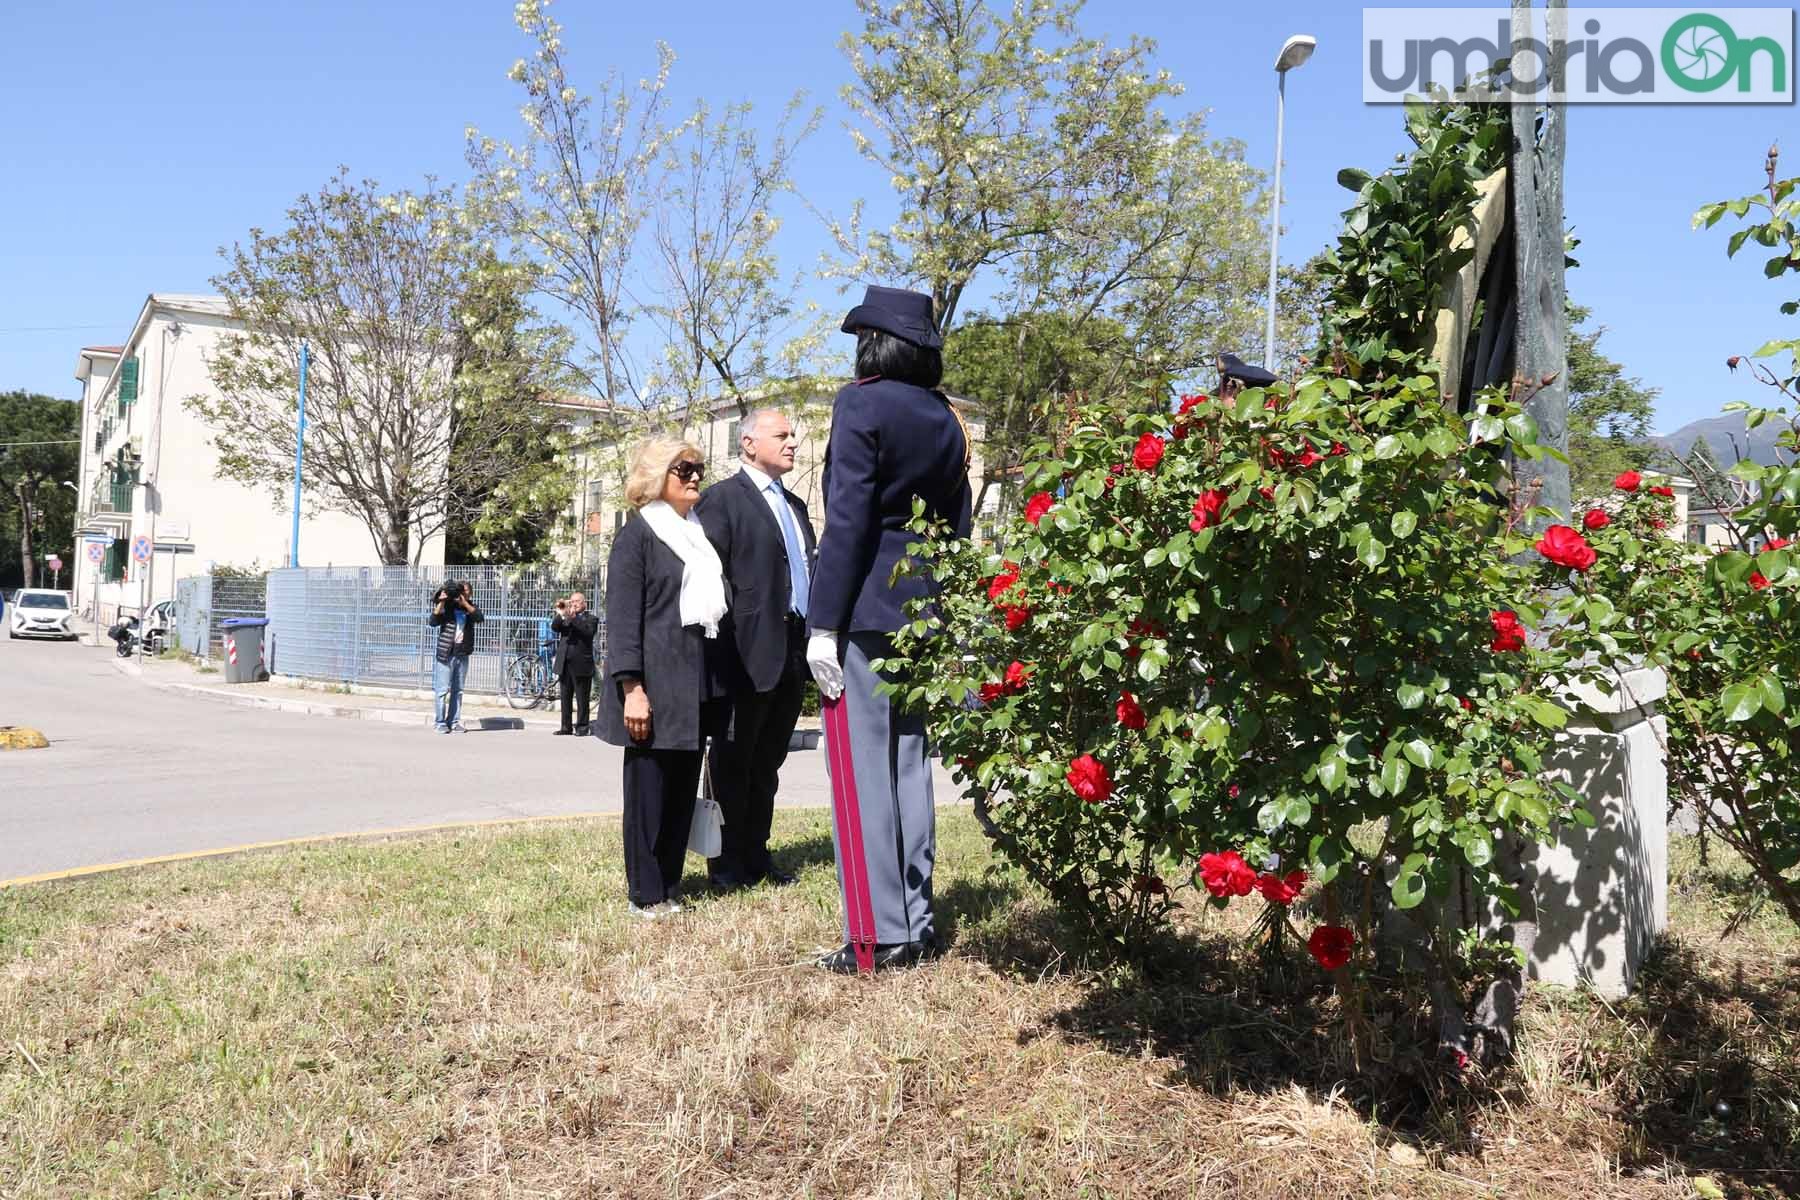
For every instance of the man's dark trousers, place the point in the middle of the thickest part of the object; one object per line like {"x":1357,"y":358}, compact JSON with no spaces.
{"x":576,"y":690}
{"x":745,"y":765}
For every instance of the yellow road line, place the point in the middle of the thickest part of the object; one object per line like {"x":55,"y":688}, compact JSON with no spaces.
{"x":102,"y":868}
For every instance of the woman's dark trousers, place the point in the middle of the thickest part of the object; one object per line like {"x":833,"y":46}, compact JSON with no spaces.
{"x":660,"y":786}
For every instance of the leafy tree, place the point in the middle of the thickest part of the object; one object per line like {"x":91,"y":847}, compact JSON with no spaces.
{"x":1040,"y":180}
{"x":377,"y":287}
{"x":39,"y":450}
{"x":1609,"y":412}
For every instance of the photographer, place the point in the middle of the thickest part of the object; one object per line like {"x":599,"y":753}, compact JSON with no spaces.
{"x":574,"y":627}
{"x":454,"y":615}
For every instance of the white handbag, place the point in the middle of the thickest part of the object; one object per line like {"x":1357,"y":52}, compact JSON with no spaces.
{"x":705,"y":831}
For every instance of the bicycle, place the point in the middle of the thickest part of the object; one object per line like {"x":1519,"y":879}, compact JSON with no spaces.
{"x":527,"y":680}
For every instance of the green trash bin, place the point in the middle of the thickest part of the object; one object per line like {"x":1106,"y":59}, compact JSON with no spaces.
{"x":243,"y":648}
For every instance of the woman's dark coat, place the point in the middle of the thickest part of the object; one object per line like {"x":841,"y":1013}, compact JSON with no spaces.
{"x":645,"y":639}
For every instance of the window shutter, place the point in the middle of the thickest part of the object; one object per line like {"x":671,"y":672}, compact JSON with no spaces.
{"x":128,"y":383}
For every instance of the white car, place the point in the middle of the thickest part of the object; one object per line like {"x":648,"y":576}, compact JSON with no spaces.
{"x":40,"y":612}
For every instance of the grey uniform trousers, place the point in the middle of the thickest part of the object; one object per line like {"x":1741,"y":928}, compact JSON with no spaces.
{"x":893,"y":784}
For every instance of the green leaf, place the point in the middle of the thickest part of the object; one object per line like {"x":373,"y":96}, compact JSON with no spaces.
{"x":1410,"y":695}
{"x":1409,"y":884}
{"x":1387,"y":446}
{"x":1420,"y":753}
{"x":1404,"y":523}
{"x":1394,"y":774}
{"x":1334,"y":772}
{"x":1773,"y":698}
{"x":1372,"y":553}
{"x":1740,"y":701}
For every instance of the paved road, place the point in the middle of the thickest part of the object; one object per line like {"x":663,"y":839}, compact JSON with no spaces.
{"x":134,"y":771}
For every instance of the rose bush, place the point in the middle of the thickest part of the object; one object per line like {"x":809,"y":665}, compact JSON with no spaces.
{"x":1241,"y":649}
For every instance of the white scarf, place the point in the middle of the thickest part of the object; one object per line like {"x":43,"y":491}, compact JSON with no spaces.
{"x":702,"y":575}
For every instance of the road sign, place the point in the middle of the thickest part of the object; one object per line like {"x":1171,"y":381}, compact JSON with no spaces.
{"x":54,"y":562}
{"x":95,"y":552}
{"x":140,"y":548}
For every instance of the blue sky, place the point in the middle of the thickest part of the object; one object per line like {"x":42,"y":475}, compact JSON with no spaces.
{"x":139,"y":138}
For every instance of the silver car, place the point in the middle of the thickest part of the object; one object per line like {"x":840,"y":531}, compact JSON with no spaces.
{"x":40,"y":612}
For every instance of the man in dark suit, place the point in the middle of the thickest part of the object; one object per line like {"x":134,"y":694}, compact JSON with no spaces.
{"x":574,"y":627}
{"x":765,"y":541}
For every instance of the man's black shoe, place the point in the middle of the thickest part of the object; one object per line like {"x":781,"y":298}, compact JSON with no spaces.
{"x":841,"y":961}
{"x":777,"y":876}
{"x":562,"y":732}
{"x":581,"y":731}
{"x":725,"y":883}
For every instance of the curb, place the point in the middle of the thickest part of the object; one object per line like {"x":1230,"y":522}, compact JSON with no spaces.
{"x":311,"y":708}
{"x":802,"y":739}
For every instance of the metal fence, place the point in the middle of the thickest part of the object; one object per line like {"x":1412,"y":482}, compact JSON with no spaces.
{"x":202,"y":602}
{"x":368,"y":624}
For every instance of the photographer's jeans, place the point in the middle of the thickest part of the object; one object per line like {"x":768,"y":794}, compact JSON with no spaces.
{"x":447,"y":683}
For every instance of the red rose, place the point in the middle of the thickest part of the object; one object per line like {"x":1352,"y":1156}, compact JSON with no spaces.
{"x":1234,"y":791}
{"x":1566,"y":548}
{"x":1148,"y":452}
{"x":991,"y":692}
{"x":1627,"y":481}
{"x":1468,"y":705}
{"x":1088,"y":778}
{"x":1000,"y":584}
{"x":1227,"y":874}
{"x":1209,"y":509}
{"x":1330,"y":946}
{"x":1280,"y":889}
{"x":1116,"y":469}
{"x":1151,"y":884}
{"x":1508,"y":633}
{"x":1267,"y":493}
{"x":1180,"y":431}
{"x":1338,"y":448}
{"x":1308,"y":458}
{"x":1596,"y":518}
{"x":1016,"y":615}
{"x":1145,"y":627}
{"x":1758,"y":580}
{"x":1658,"y":523}
{"x":1277,"y":457}
{"x":1037,"y":506}
{"x":1662,"y":490}
{"x":1189,"y":404}
{"x":1128,"y":712}
{"x":1777,"y":544}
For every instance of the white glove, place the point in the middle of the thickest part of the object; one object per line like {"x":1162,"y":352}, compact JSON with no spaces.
{"x":822,"y":660}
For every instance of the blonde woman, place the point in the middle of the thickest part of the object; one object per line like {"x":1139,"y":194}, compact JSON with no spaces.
{"x":665,"y":597}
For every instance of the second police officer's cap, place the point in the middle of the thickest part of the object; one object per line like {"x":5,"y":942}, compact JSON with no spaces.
{"x":906,"y":315}
{"x":1233,"y":367}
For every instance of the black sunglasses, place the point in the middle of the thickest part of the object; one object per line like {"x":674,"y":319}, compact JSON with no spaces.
{"x":687,"y":471}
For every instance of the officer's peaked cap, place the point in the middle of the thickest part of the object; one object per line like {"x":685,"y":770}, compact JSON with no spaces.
{"x":1233,"y":367}
{"x":906,"y":315}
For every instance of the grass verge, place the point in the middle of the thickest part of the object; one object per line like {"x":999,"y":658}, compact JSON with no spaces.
{"x":475,"y":1015}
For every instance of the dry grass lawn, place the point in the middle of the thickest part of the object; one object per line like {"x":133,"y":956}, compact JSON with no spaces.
{"x":475,"y":1016}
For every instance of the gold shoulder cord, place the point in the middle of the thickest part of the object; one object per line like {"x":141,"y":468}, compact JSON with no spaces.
{"x":968,"y":442}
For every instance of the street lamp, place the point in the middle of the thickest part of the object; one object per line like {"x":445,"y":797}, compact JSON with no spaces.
{"x":1295,"y":51}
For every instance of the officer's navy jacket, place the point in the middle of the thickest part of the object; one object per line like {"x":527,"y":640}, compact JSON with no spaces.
{"x":890,"y":442}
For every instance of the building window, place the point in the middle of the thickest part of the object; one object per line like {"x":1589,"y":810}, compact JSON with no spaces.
{"x":596,"y":493}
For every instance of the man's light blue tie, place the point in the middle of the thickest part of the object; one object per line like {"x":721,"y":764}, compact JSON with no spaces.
{"x":796,"y":555}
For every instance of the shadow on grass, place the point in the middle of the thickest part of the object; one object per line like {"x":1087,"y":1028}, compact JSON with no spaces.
{"x":1712,"y":1076}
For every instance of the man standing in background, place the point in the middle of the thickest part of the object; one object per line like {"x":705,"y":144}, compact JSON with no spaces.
{"x":765,"y":541}
{"x":574,"y":627}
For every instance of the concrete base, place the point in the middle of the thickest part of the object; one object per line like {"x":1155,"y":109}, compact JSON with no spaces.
{"x":1603,"y":893}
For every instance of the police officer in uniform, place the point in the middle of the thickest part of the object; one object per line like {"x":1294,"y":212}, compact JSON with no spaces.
{"x":894,"y":438}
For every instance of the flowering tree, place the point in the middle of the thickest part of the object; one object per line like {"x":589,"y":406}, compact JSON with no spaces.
{"x":1252,"y":645}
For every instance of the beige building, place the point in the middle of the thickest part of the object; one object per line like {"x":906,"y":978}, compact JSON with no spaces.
{"x":148,"y":468}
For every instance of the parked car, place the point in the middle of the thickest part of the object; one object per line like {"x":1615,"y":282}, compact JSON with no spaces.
{"x":40,"y":612}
